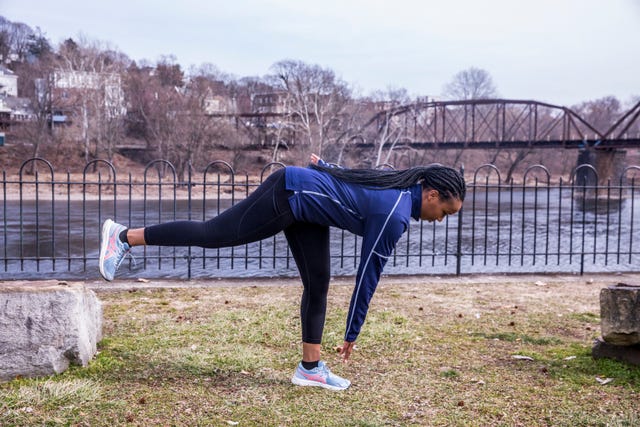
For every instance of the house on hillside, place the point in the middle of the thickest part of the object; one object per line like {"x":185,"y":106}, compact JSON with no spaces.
{"x":15,"y":110}
{"x":68,"y":91}
{"x":70,"y":86}
{"x":5,"y":115}
{"x":213,"y":96}
{"x":269,"y":103}
{"x":8,"y":82}
{"x":219,"y":104}
{"x":12,"y":108}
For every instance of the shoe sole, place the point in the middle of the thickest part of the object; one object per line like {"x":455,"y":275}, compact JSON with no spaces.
{"x":103,"y":247}
{"x":306,"y":383}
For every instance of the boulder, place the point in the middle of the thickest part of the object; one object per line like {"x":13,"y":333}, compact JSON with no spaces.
{"x":45,"y":326}
{"x":620,"y":314}
{"x":623,"y":353}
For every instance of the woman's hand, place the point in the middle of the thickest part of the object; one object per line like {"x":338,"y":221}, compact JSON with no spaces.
{"x":314,"y":158}
{"x":346,"y":350}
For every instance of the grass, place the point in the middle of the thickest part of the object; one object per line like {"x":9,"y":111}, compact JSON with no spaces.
{"x":429,"y":354}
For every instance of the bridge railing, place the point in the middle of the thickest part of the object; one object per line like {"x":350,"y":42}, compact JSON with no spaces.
{"x":50,"y":225}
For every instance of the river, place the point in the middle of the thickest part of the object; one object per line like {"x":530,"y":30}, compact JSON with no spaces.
{"x":507,"y":231}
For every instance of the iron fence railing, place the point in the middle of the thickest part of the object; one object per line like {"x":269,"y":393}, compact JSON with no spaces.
{"x":50,"y":225}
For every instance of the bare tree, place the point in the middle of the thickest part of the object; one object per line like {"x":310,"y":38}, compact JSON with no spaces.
{"x":356,"y":114}
{"x":169,"y":72}
{"x":173,"y":115}
{"x":196,"y":129}
{"x":317,"y":100}
{"x":600,"y":113}
{"x":88,"y":76}
{"x":5,"y":39}
{"x":390,"y":97}
{"x":154,"y":108}
{"x":476,"y":83}
{"x":38,"y":44}
{"x":34,"y":85}
{"x":472,"y":83}
{"x":393,"y":129}
{"x":272,"y":124}
{"x":634,"y":129}
{"x":15,"y":39}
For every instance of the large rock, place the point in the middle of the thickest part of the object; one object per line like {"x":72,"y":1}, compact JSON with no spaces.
{"x":620,"y":314}
{"x":624,"y":353}
{"x":45,"y":326}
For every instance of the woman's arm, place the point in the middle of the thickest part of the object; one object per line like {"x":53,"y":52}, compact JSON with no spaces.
{"x":380,"y":237}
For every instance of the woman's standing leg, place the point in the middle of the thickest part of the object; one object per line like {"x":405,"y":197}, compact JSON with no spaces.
{"x":309,"y":245}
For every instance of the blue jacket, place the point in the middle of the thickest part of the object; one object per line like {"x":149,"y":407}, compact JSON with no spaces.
{"x":379,"y":216}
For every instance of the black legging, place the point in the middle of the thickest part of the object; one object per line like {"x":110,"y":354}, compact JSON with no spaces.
{"x":264,"y":213}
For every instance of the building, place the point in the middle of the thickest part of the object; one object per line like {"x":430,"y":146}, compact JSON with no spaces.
{"x":8,"y":82}
{"x":12,"y":108}
{"x":219,"y":104}
{"x":5,"y":115}
{"x":270,"y":103}
{"x":67,"y":91}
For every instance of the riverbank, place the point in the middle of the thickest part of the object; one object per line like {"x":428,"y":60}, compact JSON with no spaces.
{"x":76,"y":187}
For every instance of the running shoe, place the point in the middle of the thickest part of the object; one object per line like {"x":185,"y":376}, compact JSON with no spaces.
{"x":112,"y":250}
{"x":319,"y":377}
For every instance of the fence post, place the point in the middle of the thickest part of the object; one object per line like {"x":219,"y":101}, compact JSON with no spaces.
{"x":189,"y":166}
{"x":459,"y":243}
{"x":584,"y":224}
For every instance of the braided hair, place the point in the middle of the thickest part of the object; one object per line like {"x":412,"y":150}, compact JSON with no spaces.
{"x":447,"y":181}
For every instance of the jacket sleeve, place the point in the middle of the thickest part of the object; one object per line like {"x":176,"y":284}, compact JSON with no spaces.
{"x":380,"y":238}
{"x":321,"y":162}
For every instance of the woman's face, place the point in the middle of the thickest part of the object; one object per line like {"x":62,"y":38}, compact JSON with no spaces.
{"x":435,"y":209}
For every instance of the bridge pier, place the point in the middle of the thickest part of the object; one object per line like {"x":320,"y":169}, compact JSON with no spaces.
{"x":608,"y":163}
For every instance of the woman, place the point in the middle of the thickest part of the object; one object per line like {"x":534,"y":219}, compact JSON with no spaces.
{"x":304,"y":203}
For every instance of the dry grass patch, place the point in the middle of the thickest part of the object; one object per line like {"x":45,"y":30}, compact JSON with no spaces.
{"x":433,"y":352}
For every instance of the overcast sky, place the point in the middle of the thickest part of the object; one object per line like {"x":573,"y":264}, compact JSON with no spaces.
{"x":558,"y":51}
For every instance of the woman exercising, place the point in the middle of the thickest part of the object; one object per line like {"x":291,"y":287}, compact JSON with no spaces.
{"x":304,"y":203}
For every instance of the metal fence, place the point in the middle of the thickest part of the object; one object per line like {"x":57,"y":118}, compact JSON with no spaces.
{"x":50,"y":226}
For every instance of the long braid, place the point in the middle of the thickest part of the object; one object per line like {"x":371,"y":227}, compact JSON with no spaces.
{"x":447,"y":181}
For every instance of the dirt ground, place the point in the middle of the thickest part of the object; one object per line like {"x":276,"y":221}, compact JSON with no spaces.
{"x":467,"y":295}
{"x":462,"y":293}
{"x":570,"y":282}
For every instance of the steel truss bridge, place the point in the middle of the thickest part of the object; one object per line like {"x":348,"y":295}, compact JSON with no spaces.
{"x":494,"y":123}
{"x":480,"y":123}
